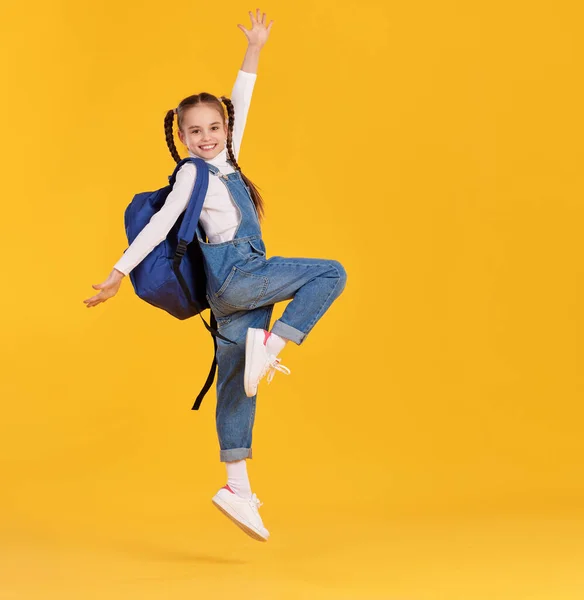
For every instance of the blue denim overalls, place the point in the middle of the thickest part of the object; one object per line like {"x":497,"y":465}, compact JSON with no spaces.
{"x":242,"y":287}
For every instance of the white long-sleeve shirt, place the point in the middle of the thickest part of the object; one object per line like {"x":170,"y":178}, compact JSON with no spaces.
{"x":219,"y":215}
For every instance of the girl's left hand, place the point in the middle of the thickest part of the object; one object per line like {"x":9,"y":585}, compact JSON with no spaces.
{"x":258,"y":35}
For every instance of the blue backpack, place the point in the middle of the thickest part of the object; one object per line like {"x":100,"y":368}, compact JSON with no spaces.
{"x":172,"y":276}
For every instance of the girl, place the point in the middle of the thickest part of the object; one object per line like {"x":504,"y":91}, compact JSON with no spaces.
{"x":242,"y":284}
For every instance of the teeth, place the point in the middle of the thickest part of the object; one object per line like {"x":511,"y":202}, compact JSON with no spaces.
{"x":208,"y":147}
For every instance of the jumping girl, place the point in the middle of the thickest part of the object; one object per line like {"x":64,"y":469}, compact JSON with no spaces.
{"x":242,"y":284}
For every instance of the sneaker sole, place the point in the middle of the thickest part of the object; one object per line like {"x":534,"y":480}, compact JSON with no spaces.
{"x":249,"y":348}
{"x":247,"y":528}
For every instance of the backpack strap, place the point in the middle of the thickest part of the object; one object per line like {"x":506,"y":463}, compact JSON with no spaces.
{"x":186,"y":232}
{"x":211,"y":375}
{"x":186,"y":235}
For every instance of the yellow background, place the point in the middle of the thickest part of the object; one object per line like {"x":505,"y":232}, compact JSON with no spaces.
{"x":428,"y":443}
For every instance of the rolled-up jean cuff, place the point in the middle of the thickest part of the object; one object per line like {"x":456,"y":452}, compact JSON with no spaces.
{"x":288,"y":332}
{"x":234,"y":454}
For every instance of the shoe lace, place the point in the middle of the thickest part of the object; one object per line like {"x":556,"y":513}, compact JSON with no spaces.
{"x":255,"y":502}
{"x":272,"y":366}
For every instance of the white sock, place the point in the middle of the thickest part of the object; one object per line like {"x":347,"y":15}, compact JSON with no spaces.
{"x":237,"y":478}
{"x":275,"y":344}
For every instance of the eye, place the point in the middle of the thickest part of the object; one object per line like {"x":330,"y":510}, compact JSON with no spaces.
{"x":215,"y":127}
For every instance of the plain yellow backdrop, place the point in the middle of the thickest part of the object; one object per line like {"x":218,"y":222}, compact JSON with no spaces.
{"x":434,"y":148}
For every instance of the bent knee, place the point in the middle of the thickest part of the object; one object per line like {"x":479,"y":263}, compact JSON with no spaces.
{"x":341,"y":271}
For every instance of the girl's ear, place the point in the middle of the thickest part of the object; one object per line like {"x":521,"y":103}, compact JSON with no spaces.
{"x":181,"y":137}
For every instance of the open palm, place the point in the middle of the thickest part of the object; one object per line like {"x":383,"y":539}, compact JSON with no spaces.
{"x":258,"y":34}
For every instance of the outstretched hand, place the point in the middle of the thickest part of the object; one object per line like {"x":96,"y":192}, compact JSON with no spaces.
{"x":258,"y":34}
{"x":107,"y":289}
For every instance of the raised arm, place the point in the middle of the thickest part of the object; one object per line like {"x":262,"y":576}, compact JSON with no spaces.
{"x":242,"y":91}
{"x":241,"y":99}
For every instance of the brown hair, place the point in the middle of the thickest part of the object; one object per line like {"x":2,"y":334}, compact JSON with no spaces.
{"x":205,"y":98}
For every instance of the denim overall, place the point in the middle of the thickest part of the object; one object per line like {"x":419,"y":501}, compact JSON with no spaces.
{"x":242,"y":287}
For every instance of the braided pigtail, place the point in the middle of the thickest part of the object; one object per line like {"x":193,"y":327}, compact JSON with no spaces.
{"x":255,"y":195}
{"x":168,"y":121}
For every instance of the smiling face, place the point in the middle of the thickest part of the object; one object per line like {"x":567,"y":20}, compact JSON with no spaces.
{"x":203,"y":131}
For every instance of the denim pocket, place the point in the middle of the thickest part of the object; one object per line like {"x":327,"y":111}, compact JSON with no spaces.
{"x":241,"y":290}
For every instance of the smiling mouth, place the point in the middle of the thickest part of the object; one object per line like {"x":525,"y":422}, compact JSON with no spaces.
{"x":208,"y":147}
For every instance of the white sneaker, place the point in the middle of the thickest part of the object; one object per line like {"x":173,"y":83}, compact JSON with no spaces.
{"x":258,"y":361}
{"x":243,"y":512}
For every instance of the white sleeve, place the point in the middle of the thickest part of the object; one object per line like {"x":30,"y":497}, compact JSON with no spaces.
{"x":161,"y":222}
{"x":241,"y":98}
